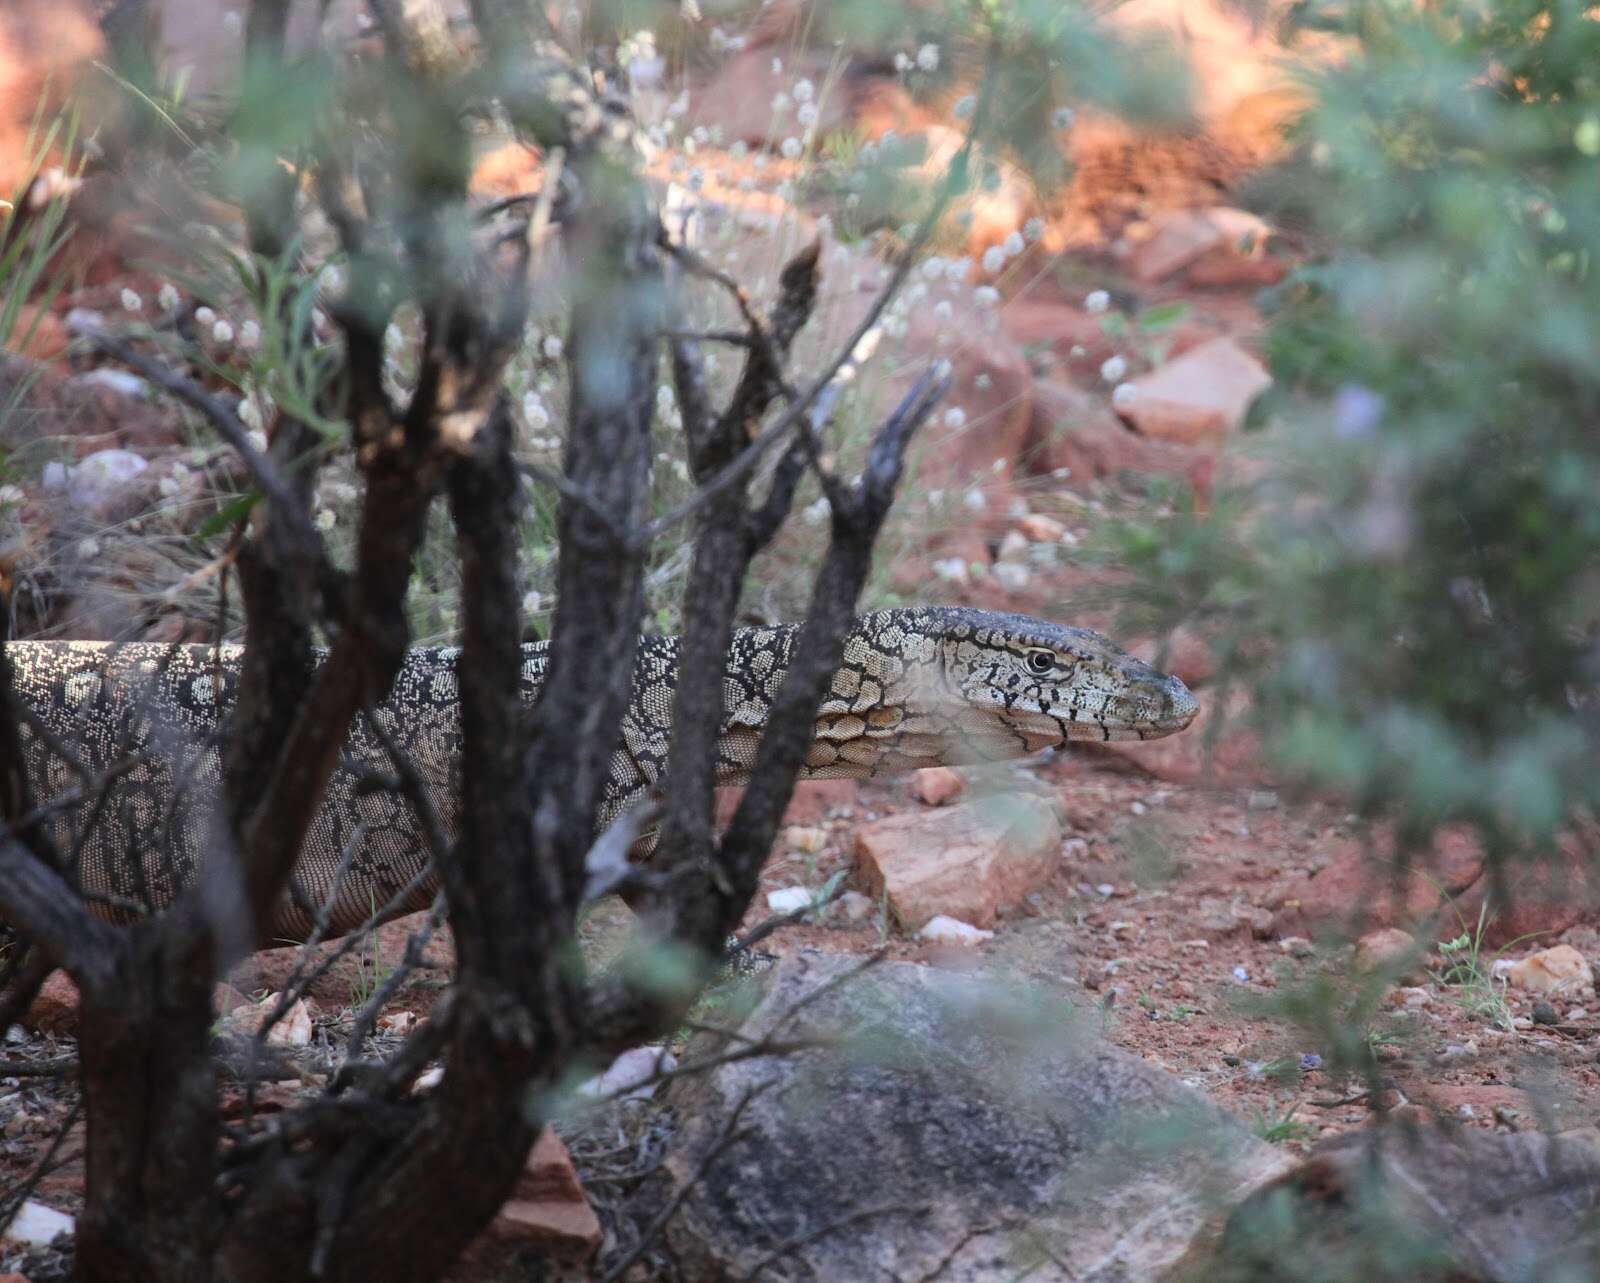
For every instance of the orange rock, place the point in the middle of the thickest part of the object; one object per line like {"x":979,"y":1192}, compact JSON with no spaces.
{"x":1558,"y":969}
{"x":1387,"y":949}
{"x":45,"y":45}
{"x":55,"y":1010}
{"x":1199,"y":397}
{"x":937,"y":785}
{"x":39,"y":334}
{"x":969,"y":862}
{"x":549,"y":1176}
{"x":1212,"y":242}
{"x":1040,"y":528}
{"x":548,"y":1210}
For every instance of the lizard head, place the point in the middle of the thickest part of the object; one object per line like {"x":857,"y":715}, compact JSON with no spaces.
{"x":1010,"y":684}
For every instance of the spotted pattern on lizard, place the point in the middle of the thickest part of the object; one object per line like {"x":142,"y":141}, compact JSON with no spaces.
{"x":920,"y":687}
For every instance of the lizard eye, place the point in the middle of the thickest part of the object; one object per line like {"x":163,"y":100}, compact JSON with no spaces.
{"x":1041,"y":662}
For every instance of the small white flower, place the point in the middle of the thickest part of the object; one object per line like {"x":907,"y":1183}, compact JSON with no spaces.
{"x":902,"y":62}
{"x":965,"y":106}
{"x":814,"y":514}
{"x":167,"y":297}
{"x":393,"y":335}
{"x":249,"y":413}
{"x":249,"y":335}
{"x":89,"y":548}
{"x":982,"y":382}
{"x":1012,"y":245}
{"x":986,"y":296}
{"x":326,"y":519}
{"x":780,"y":103}
{"x":1032,"y":230}
{"x":777,"y":66}
{"x":928,"y":57}
{"x":804,"y":91}
{"x":1124,"y":395}
{"x":1096,"y":301}
{"x":679,"y":105}
{"x":552,"y":347}
{"x":933,"y":267}
{"x":258,"y":441}
{"x":994,"y":258}
{"x":955,"y":417}
{"x":1113,"y":368}
{"x":974,"y":500}
{"x":333,"y":279}
{"x":943,"y":310}
{"x":941,"y":368}
{"x":531,"y":601}
{"x":950,"y":569}
{"x":232,"y":22}
{"x":533,"y":411}
{"x":221,"y":332}
{"x":131,"y":302}
{"x":791,"y":148}
{"x":1062,"y":118}
{"x":807,"y":115}
{"x":999,"y":466}
{"x":935,"y":498}
{"x":957,"y":270}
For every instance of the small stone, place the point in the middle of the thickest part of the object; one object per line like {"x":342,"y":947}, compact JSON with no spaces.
{"x":37,"y":1225}
{"x":397,"y":1022}
{"x":1576,"y":1014}
{"x":630,"y":1074}
{"x":946,"y":930}
{"x":1041,"y":529}
{"x":855,"y":906}
{"x":1199,"y":397}
{"x":1390,"y":949}
{"x":1013,"y":546}
{"x":1241,"y":976}
{"x":1296,"y":946}
{"x":1545,"y":1014}
{"x":55,"y":1010}
{"x":788,"y":899}
{"x":937,"y":785}
{"x":95,"y":482}
{"x":293,"y":1028}
{"x":1262,"y":800}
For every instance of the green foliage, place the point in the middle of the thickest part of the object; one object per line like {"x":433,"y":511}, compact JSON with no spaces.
{"x":1408,"y":584}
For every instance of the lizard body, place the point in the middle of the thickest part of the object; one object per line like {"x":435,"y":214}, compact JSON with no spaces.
{"x":918,"y":687}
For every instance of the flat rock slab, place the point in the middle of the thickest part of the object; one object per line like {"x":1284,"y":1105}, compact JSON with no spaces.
{"x":958,"y":1129}
{"x":967,"y":862}
{"x":1424,"y":1204}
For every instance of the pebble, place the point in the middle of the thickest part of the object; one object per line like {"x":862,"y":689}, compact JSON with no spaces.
{"x":855,"y":906}
{"x":788,"y":899}
{"x":1241,"y":976}
{"x":947,"y":930}
{"x":1545,"y":1014}
{"x":1296,"y":946}
{"x":37,"y":1225}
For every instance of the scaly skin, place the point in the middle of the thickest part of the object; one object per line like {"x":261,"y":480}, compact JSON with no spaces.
{"x":922,"y":687}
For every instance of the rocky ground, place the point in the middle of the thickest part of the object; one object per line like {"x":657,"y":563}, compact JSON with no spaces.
{"x":1182,"y":901}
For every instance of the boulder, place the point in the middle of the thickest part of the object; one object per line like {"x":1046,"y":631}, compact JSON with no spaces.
{"x":1219,"y":246}
{"x":1389,"y":949}
{"x":1426,"y":1203}
{"x":1199,"y":397}
{"x":968,"y":862}
{"x":958,"y":1130}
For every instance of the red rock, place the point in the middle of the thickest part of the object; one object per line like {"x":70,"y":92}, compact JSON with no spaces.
{"x":1200,"y":397}
{"x":548,"y":1210}
{"x":1078,"y":431}
{"x":937,"y":785}
{"x":1443,"y":894}
{"x":45,"y":46}
{"x":968,"y":862}
{"x":1387,"y":949}
{"x":812,"y":801}
{"x":549,"y":1176}
{"x":1219,"y":246}
{"x":1038,"y":323}
{"x":564,"y":1231}
{"x":1039,"y":528}
{"x":55,"y":1010}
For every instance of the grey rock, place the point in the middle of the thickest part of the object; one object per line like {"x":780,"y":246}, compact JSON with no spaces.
{"x":960,"y":1128}
{"x":1424,"y":1204}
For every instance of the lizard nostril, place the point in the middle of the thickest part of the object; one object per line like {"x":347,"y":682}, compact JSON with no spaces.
{"x":1180,"y":704}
